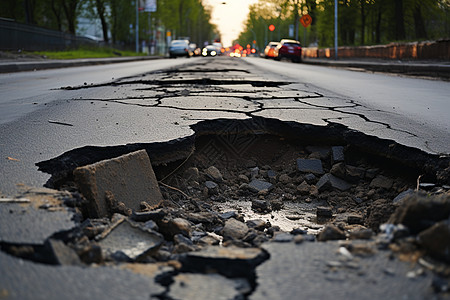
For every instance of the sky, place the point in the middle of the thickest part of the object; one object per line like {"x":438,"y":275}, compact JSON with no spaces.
{"x":229,"y":17}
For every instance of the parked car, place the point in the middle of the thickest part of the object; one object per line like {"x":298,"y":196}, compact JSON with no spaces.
{"x":269,"y":51}
{"x":210,"y":50}
{"x":179,"y":48}
{"x":289,"y":49}
{"x":218,"y":47}
{"x":196,"y":51}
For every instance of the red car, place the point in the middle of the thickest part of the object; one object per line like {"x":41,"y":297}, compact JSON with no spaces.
{"x":289,"y":49}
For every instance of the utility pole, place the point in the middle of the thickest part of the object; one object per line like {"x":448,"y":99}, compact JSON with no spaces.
{"x":336,"y":29}
{"x":137,"y":26}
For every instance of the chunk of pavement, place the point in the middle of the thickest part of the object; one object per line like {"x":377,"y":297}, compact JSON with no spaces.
{"x":62,"y":254}
{"x":337,"y":154}
{"x":213,"y":188}
{"x":403,"y":195}
{"x":310,"y":166}
{"x":230,"y":261}
{"x":171,"y":227}
{"x":130,"y":239}
{"x":234,"y":229}
{"x":272,"y":175}
{"x":207,"y":286}
{"x":330,"y":181}
{"x":382,"y":182}
{"x":436,"y":240}
{"x":214,"y":173}
{"x":26,"y":224}
{"x":257,"y":185}
{"x":324,"y":212}
{"x":73,"y":282}
{"x":257,"y":224}
{"x":261,"y":206}
{"x":330,"y":232}
{"x":128,"y":179}
{"x":287,"y":274}
{"x":418,"y":212}
{"x":322,"y":151}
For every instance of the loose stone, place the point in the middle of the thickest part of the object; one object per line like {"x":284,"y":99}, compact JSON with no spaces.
{"x":310,"y":166}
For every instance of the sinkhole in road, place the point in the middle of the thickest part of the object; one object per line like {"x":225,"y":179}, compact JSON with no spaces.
{"x":286,"y":174}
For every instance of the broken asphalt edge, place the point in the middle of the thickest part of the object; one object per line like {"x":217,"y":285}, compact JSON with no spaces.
{"x":61,"y":167}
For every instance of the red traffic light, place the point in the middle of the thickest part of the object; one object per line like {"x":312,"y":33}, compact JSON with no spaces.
{"x":271,"y":27}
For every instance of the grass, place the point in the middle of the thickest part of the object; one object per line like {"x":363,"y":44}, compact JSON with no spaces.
{"x":86,"y":53}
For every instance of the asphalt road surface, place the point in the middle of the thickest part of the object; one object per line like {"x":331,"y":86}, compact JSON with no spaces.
{"x":136,"y":102}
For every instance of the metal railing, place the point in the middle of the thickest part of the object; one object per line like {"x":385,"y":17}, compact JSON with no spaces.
{"x":15,"y":36}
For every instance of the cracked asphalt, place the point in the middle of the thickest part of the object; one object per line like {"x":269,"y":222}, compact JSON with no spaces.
{"x":162,"y":105}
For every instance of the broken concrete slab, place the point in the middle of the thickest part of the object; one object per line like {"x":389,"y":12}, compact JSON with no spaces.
{"x":330,"y":181}
{"x":257,"y":185}
{"x":27,"y":280}
{"x":28,"y":224}
{"x":130,"y":239}
{"x":211,"y":286}
{"x":127,"y":179}
{"x":230,"y":261}
{"x":337,"y":154}
{"x":310,"y":166}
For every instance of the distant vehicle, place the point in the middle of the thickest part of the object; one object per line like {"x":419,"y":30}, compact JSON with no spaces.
{"x":196,"y":51}
{"x":289,"y":49}
{"x":218,"y":47}
{"x":210,"y":50}
{"x":179,"y":48}
{"x":269,"y":51}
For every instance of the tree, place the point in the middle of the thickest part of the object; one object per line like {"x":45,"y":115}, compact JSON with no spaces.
{"x":70,"y":11}
{"x":101,"y":11}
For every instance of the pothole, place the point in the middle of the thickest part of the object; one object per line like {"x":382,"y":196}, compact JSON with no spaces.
{"x":228,"y":189}
{"x":288,"y":176}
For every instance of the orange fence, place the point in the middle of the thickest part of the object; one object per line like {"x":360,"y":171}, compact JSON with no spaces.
{"x":417,"y":50}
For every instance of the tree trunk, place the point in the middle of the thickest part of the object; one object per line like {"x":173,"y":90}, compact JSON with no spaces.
{"x":29,"y":11}
{"x":70,"y":7}
{"x":101,"y":13}
{"x":57,"y":14}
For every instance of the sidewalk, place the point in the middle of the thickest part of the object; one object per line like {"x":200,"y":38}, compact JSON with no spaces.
{"x":436,"y":69}
{"x":31,"y":64}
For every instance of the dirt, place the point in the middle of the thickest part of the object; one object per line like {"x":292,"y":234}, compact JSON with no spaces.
{"x":288,"y":206}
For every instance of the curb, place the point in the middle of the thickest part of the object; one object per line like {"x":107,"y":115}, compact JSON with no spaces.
{"x":432,"y":70}
{"x":10,"y":67}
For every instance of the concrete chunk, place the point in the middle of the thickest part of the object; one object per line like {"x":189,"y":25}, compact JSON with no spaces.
{"x":134,"y":241}
{"x":310,"y":166}
{"x":259,"y":185}
{"x":337,"y":154}
{"x":330,"y":181}
{"x":128,"y":179}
